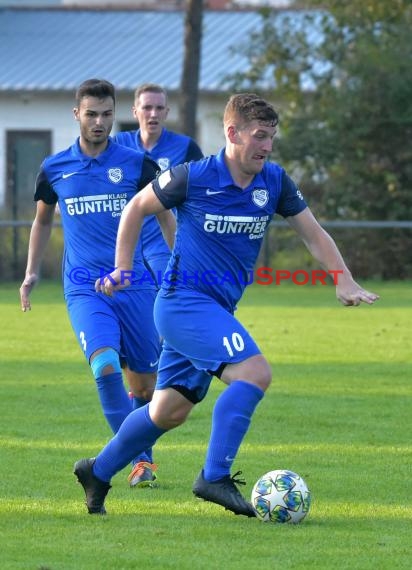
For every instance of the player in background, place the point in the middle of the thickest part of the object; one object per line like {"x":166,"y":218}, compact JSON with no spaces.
{"x":92,"y":181}
{"x":224,"y":204}
{"x":168,"y":149}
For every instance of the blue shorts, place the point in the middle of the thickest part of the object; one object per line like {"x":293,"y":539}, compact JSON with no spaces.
{"x":157,"y":264}
{"x":200,"y":337}
{"x":123,"y":322}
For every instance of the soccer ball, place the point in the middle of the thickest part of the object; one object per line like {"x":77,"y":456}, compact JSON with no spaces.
{"x":281,"y":496}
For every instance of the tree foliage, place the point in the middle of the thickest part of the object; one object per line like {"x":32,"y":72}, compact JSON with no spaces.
{"x":342,"y":74}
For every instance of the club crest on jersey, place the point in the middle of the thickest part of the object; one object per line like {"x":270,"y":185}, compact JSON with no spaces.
{"x":115,"y":175}
{"x":260,"y":197}
{"x":163,"y":163}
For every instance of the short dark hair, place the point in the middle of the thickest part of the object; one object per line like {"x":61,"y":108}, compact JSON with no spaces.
{"x":247,"y":107}
{"x":99,"y":88}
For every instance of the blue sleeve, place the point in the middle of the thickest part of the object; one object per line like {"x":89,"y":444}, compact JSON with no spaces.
{"x":44,"y":191}
{"x":171,"y":186}
{"x":150,"y":169}
{"x":291,"y":201}
{"x":193,"y":152}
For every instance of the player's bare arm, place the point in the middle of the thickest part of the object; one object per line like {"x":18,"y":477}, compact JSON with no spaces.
{"x":324,"y":249}
{"x":143,"y":204}
{"x":167,"y":222}
{"x":39,"y":237}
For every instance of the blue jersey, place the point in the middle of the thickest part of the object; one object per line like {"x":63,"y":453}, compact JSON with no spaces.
{"x":92,"y":193}
{"x":221,"y":226}
{"x":171,"y":149}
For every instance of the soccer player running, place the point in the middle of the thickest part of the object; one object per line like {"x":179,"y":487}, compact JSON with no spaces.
{"x":92,"y":181}
{"x":224,"y":205}
{"x":167,"y":148}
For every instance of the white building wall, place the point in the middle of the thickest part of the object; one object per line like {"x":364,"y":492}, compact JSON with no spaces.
{"x":54,"y":112}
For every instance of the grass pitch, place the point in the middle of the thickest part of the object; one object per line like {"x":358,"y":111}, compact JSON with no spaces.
{"x":338,"y":413}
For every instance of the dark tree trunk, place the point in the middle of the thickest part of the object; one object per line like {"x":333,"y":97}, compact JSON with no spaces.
{"x":189,"y":85}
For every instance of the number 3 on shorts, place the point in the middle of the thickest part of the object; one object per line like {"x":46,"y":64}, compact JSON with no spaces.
{"x":236,"y":343}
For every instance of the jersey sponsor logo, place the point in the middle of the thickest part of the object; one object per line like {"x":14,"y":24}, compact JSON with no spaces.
{"x":260,"y":197}
{"x":99,"y":204}
{"x":255,"y":226}
{"x":164,"y":163}
{"x":115,"y":175}
{"x":68,"y":174}
{"x":213,"y":192}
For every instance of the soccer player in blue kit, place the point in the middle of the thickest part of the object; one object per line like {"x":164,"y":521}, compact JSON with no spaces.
{"x":224,"y":205}
{"x":92,"y":181}
{"x":167,"y":148}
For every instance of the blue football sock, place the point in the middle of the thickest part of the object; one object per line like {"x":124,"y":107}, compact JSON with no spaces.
{"x":146,"y":455}
{"x":136,"y":434}
{"x":114,"y":399}
{"x":230,"y":421}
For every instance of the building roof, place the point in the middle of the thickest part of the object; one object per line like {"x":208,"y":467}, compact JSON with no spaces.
{"x":56,"y":49}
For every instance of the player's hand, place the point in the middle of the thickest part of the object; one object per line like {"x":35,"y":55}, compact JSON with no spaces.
{"x":112,"y":282}
{"x":351,"y":294}
{"x":25,"y":290}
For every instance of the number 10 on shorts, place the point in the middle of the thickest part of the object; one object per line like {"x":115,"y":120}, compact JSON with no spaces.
{"x":234,"y":344}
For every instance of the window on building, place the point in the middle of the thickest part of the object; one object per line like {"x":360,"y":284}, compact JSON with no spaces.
{"x":25,"y":152}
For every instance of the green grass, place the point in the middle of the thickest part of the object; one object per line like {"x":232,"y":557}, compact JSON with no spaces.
{"x":338,"y":413}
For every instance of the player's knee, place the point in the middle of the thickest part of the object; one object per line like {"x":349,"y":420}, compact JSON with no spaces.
{"x":143,"y":393}
{"x":171,"y":421}
{"x":178,"y":417}
{"x":261,"y":379}
{"x":105,"y":362}
{"x":264,"y":380}
{"x":261,"y":373}
{"x":142,"y":385}
{"x":264,"y":375}
{"x":167,"y":417}
{"x":255,"y":370}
